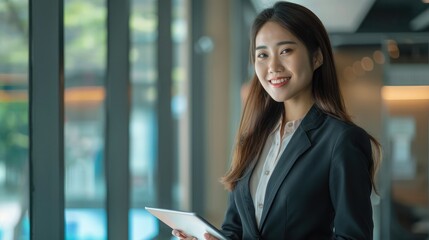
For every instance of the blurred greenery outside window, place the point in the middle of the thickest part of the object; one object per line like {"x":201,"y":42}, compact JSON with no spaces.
{"x":143,"y":121}
{"x":14,"y":141}
{"x":85,"y":68}
{"x":85,"y":62}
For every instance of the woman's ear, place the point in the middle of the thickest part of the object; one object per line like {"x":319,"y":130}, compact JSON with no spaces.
{"x":317,"y":59}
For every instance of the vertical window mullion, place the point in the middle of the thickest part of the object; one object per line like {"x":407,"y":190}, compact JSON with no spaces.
{"x":165,"y":171}
{"x":46,"y":120}
{"x":117,"y":119}
{"x":143,"y":121}
{"x":198,"y":115}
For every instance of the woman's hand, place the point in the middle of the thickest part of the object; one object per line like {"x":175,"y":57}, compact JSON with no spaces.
{"x":207,"y":236}
{"x":183,"y":236}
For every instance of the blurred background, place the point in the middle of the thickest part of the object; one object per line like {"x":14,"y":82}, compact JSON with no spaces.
{"x":188,"y":70}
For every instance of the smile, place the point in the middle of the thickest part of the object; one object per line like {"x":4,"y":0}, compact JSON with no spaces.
{"x":279,"y":82}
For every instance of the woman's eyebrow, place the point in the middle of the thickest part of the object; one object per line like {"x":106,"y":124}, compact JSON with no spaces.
{"x":285,"y":42}
{"x":278,"y":44}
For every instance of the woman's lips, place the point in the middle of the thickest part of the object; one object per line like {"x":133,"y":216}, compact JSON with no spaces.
{"x":279,"y":82}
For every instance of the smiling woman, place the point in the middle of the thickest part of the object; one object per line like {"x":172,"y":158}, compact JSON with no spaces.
{"x":283,"y":147}
{"x":296,"y":142}
{"x":282,"y":64}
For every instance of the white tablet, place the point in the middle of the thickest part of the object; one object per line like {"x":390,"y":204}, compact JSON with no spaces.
{"x":188,"y":222}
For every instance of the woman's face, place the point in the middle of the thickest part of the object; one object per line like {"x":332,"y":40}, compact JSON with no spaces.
{"x":282,"y":64}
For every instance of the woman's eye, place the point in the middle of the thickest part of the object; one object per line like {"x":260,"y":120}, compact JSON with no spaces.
{"x":261,"y":55}
{"x":287,"y":50}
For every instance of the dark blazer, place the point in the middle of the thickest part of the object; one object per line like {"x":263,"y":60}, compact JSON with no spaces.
{"x":320,"y":188}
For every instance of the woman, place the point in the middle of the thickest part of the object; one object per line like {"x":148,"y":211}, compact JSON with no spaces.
{"x":301,"y":169}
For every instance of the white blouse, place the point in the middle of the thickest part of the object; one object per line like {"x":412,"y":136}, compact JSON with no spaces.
{"x":273,"y":149}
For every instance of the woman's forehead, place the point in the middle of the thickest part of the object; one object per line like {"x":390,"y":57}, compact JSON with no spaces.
{"x":272,"y":33}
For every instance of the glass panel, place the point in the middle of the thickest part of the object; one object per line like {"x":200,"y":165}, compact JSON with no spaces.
{"x":85,"y":54}
{"x":179,"y":104}
{"x":14,"y":140}
{"x":360,"y":72}
{"x":406,"y":99}
{"x":143,"y":123}
{"x":143,"y":115}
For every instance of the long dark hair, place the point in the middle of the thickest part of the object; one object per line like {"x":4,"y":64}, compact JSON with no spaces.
{"x":261,"y":113}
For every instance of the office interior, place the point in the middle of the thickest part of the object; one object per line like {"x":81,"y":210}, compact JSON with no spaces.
{"x":108,"y":106}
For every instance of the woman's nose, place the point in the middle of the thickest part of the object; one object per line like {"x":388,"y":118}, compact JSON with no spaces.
{"x":275,"y":65}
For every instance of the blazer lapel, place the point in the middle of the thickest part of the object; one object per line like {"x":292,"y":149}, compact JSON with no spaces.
{"x":297,"y":146}
{"x":246,"y":199}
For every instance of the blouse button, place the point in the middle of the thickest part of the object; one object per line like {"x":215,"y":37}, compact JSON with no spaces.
{"x":267,"y":172}
{"x":289,"y":124}
{"x":260,"y":205}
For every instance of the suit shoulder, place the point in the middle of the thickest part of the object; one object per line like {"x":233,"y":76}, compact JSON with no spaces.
{"x":340,"y":127}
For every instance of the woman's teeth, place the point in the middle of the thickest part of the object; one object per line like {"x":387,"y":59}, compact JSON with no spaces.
{"x":277,"y":81}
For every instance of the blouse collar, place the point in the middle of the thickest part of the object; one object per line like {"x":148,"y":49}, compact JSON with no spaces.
{"x":289,"y":127}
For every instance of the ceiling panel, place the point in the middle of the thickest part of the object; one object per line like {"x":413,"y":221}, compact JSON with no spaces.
{"x":337,"y":15}
{"x":366,"y":16}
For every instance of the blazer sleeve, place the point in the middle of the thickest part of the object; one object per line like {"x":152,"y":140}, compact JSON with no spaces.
{"x":350,"y":185}
{"x":231,"y":226}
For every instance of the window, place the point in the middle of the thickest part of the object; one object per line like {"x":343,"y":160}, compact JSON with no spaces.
{"x":144,"y":129}
{"x":85,"y":65}
{"x":14,"y":142}
{"x":143,"y":118}
{"x":85,"y":116}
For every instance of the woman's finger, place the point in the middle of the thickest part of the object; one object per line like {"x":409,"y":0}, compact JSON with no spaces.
{"x":178,"y":234}
{"x":207,"y":236}
{"x":181,"y":235}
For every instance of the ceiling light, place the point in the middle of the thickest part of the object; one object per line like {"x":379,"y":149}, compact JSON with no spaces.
{"x":378,"y":57}
{"x":367,"y":64}
{"x":405,"y":92}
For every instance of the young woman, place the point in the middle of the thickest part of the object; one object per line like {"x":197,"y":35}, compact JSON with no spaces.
{"x":301,"y":168}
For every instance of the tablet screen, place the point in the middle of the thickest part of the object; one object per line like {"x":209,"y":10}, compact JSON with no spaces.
{"x":188,"y":222}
